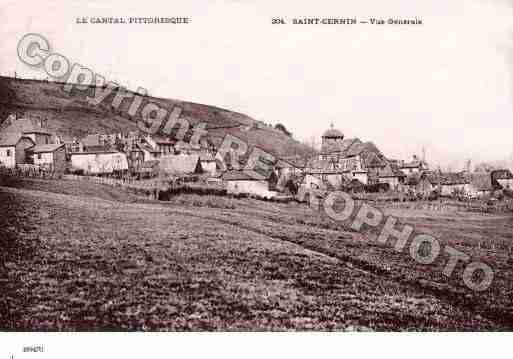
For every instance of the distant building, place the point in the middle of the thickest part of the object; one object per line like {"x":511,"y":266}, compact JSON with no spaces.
{"x":49,"y":156}
{"x":148,"y":169}
{"x":453,"y":182}
{"x":504,"y":178}
{"x":180,"y":164}
{"x":355,"y":159}
{"x":250,"y":182}
{"x":33,"y":129}
{"x":99,"y":162}
{"x":480,"y":185}
{"x":145,"y":152}
{"x":322,"y":173}
{"x":392,"y":175}
{"x":162,"y":144}
{"x":416,"y":165}
{"x":13,"y":146}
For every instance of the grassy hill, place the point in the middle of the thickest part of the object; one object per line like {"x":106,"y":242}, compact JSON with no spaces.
{"x":70,"y":115}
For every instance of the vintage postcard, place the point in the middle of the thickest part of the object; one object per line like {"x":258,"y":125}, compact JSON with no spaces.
{"x":255,"y":166}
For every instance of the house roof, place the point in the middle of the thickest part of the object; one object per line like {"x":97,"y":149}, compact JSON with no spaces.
{"x":9,"y":139}
{"x":148,"y":165}
{"x":163,"y":140}
{"x":321,"y":166}
{"x":332,"y":132}
{"x":25,"y":125}
{"x":412,"y":180}
{"x":180,"y":164}
{"x":146,"y":147}
{"x":502,"y":174}
{"x":482,"y":181}
{"x":450,"y":178}
{"x":91,"y":140}
{"x":372,"y":159}
{"x":94,"y":152}
{"x":290,"y":162}
{"x":392,"y":171}
{"x":339,"y":146}
{"x":46,"y":148}
{"x":243,"y":175}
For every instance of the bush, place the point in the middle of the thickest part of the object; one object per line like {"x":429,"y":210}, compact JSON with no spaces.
{"x":377,"y":187}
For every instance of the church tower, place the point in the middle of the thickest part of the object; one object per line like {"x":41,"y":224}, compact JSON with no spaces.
{"x":331,"y":143}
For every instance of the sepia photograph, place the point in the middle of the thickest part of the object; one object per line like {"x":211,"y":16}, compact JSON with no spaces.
{"x":240,"y":166}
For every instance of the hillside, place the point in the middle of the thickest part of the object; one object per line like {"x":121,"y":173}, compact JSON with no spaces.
{"x":70,"y":115}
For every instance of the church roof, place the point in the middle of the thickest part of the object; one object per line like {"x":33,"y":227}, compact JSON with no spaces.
{"x":332,"y":132}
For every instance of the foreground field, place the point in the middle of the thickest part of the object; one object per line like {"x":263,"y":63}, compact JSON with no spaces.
{"x":94,"y":258}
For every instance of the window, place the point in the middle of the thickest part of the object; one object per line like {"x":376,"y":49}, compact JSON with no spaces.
{"x":38,"y":156}
{"x":8,"y":153}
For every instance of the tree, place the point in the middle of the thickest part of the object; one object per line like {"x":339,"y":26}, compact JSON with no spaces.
{"x":283,"y":129}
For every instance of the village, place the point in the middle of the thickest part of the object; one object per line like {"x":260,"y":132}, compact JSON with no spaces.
{"x":28,"y":147}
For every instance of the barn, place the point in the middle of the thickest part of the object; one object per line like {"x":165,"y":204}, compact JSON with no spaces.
{"x":99,"y":162}
{"x":250,"y":182}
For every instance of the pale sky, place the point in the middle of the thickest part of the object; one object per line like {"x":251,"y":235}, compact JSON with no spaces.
{"x":445,"y":85}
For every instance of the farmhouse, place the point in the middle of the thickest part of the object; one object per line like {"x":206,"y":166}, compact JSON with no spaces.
{"x":146,"y":153}
{"x":391,"y":175}
{"x":35,"y":130}
{"x":287,"y":167}
{"x":161,"y":144}
{"x":12,"y":148}
{"x":452,"y":182}
{"x":50,"y":156}
{"x":416,"y":165}
{"x":250,"y":182}
{"x":503,"y":178}
{"x":99,"y":162}
{"x":323,"y":172}
{"x":422,"y":183}
{"x":180,"y":164}
{"x":480,"y":185}
{"x":148,"y":169}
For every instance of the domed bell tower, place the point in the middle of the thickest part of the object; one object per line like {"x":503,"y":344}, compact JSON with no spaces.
{"x":331,"y":141}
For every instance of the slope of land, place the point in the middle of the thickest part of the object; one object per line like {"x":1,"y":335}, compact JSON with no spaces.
{"x":71,"y":115}
{"x":103,"y":261}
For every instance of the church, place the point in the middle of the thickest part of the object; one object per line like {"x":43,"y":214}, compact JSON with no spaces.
{"x":345,"y":159}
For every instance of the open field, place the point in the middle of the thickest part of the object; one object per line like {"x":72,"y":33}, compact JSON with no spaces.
{"x":82,"y":256}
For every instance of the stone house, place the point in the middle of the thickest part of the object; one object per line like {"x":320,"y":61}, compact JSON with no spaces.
{"x":52,"y":156}
{"x":250,"y":182}
{"x":13,"y":146}
{"x":99,"y":162}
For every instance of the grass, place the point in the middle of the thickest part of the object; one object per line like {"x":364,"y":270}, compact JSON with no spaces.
{"x":79,"y":256}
